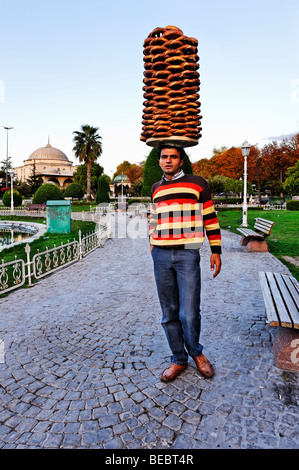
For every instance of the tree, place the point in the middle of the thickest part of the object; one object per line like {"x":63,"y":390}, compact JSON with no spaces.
{"x":74,"y":190}
{"x":47,"y":192}
{"x":17,"y":198}
{"x":34,"y":181}
{"x":88,"y":148}
{"x":80,"y":176}
{"x":291,"y":185}
{"x":103,"y":190}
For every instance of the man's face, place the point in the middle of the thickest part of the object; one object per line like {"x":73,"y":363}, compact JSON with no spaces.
{"x":170,"y":162}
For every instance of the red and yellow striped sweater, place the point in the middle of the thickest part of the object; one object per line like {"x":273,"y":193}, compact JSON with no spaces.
{"x":182,"y":212}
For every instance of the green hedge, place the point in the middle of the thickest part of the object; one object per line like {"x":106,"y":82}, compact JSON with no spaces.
{"x":47,"y":192}
{"x":293,"y":205}
{"x":17,"y":198}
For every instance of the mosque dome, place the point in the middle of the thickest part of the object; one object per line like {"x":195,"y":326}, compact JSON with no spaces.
{"x":49,"y":153}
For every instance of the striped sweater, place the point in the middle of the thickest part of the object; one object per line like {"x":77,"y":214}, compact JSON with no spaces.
{"x":182,"y":213}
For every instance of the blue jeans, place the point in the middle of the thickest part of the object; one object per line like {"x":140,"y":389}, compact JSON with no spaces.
{"x":177,"y":275}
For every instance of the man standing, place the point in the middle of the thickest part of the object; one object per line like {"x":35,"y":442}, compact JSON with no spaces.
{"x":182,"y":212}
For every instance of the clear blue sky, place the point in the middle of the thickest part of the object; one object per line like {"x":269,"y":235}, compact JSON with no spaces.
{"x":65,"y":63}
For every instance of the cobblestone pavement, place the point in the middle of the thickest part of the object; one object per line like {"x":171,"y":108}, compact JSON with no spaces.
{"x":84,"y":350}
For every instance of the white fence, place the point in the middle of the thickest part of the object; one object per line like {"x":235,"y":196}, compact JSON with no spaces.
{"x":19,"y":272}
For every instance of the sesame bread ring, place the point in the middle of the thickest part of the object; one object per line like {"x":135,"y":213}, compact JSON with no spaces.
{"x":160,"y":90}
{"x":175,"y":60}
{"x":171,"y":27}
{"x":161,"y":117}
{"x":176,"y":93}
{"x":159,"y":98}
{"x":148,"y":96}
{"x":191,"y":66}
{"x":157,"y":32}
{"x":162,"y":134}
{"x":178,"y":132}
{"x":193,"y":97}
{"x":157,"y":50}
{"x":190,"y":90}
{"x":179,"y":119}
{"x":191,"y":58}
{"x":190,"y":74}
{"x":189,"y":40}
{"x":175,"y":77}
{"x":160,"y":105}
{"x":176,"y":85}
{"x":161,"y":73}
{"x":148,"y":58}
{"x":148,"y":73}
{"x":172,"y":52}
{"x":175,"y":68}
{"x":147,"y":50}
{"x":159,"y":65}
{"x":173,"y":44}
{"x":160,"y":82}
{"x":172,"y":34}
{"x":158,"y":58}
{"x":148,"y":89}
{"x":178,"y":125}
{"x":188,"y":49}
{"x":147,"y":41}
{"x":158,"y":41}
{"x":149,"y":81}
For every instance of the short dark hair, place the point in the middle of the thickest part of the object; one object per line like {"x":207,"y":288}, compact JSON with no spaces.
{"x":165,"y":145}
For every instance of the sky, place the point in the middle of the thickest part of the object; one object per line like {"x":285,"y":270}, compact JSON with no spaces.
{"x":65,"y":63}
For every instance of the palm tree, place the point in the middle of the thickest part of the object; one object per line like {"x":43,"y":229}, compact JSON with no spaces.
{"x":88,"y":147}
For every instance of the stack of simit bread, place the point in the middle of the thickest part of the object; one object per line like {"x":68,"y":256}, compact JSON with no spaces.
{"x":171,"y":86}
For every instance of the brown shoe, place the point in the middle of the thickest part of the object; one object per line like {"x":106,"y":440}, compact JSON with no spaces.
{"x":204,"y":366}
{"x":172,"y":372}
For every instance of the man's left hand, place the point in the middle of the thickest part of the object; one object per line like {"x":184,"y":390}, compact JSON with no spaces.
{"x":215,"y":263}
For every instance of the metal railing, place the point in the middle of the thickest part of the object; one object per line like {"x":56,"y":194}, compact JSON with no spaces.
{"x":19,"y":272}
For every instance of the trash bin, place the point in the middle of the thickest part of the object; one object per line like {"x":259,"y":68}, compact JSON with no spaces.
{"x":59,"y":216}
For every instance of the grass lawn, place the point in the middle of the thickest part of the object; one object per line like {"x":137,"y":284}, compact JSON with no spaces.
{"x":283,"y":240}
{"x":48,"y":240}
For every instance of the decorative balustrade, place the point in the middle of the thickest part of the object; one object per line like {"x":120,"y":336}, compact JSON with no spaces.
{"x":19,"y":272}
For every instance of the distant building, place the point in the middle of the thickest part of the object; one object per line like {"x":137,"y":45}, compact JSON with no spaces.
{"x":51,"y":164}
{"x":120,"y":185}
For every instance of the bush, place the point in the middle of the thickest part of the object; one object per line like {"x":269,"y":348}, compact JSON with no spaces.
{"x":103,"y":190}
{"x":47,"y":192}
{"x":74,"y":190}
{"x":17,"y":198}
{"x":293,"y":205}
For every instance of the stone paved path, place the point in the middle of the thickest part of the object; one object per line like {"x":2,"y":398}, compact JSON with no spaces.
{"x":84,"y":350}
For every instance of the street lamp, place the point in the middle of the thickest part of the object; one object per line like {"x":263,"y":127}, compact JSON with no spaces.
{"x":8,"y":128}
{"x":11,"y":189}
{"x":245,"y":152}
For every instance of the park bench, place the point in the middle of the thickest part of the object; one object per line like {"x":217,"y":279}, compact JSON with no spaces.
{"x":36,"y":207}
{"x":281,"y":298}
{"x":254,"y":240}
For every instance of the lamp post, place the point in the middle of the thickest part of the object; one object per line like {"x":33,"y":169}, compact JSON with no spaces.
{"x":245,"y":152}
{"x":11,"y":189}
{"x":8,"y":128}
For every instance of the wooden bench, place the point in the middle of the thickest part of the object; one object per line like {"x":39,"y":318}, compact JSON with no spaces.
{"x":36,"y":207}
{"x":254,"y":240}
{"x":281,"y":298}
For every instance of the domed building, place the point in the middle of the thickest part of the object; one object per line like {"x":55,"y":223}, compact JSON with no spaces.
{"x":51,"y":164}
{"x":120,"y":185}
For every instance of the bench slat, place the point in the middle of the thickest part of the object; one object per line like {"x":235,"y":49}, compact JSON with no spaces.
{"x":287,"y":298}
{"x":293,"y":288}
{"x":279,"y":304}
{"x":270,"y":310}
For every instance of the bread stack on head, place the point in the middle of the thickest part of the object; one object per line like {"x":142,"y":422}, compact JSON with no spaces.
{"x":171,"y":86}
